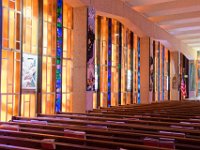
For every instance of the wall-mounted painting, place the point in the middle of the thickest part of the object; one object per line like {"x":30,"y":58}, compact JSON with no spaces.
{"x":29,"y":72}
{"x":90,"y":50}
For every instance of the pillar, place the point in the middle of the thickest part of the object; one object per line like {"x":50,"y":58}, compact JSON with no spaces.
{"x":174,"y":75}
{"x":144,"y":69}
{"x":79,"y":59}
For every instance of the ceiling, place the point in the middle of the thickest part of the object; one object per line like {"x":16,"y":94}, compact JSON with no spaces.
{"x":180,"y":18}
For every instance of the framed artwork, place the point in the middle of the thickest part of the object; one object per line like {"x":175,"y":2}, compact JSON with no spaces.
{"x":91,"y":50}
{"x":29,"y":72}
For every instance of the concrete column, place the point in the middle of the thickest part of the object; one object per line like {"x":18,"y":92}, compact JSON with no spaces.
{"x":174,"y":75}
{"x":144,"y":69}
{"x":79,"y":59}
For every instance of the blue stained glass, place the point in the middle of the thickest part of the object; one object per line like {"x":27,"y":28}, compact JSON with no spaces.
{"x":59,"y":3}
{"x":109,"y":53}
{"x":109,"y":96}
{"x":59,"y":30}
{"x":59,"y":49}
{"x":138,"y":47}
{"x":59,"y":56}
{"x":58,"y":82}
{"x":109,"y":59}
{"x":59,"y":45}
{"x":59,"y":52}
{"x":59,"y":35}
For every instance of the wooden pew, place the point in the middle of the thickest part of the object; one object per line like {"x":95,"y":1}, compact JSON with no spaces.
{"x":158,"y":134}
{"x":86,"y":142}
{"x":11,"y":147}
{"x":113,"y":125}
{"x":36,"y":143}
{"x":156,"y":126}
{"x":136,"y":120}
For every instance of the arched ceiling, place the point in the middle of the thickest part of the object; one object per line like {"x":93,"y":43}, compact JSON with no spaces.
{"x":180,"y":18}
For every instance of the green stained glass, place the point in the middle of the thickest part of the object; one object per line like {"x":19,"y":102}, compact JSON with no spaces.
{"x":57,"y":61}
{"x":59,"y":24}
{"x":59,"y":10}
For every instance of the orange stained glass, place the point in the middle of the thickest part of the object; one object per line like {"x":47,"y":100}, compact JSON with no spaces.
{"x":11,"y":55}
{"x":11,"y":4}
{"x":67,"y":15}
{"x":115,"y":62}
{"x":94,"y":100}
{"x":103,"y":62}
{"x":49,"y":39}
{"x":45,"y":9}
{"x":3,"y":108}
{"x":103,"y":99}
{"x":67,"y":61}
{"x":48,"y":58}
{"x":18,"y":5}
{"x":123,"y":66}
{"x":30,"y":37}
{"x":11,"y":29}
{"x":67,"y":102}
{"x":135,"y":79}
{"x":28,"y":105}
{"x":45,"y":35}
{"x":5,"y":27}
{"x":9,"y":85}
{"x":5,"y":3}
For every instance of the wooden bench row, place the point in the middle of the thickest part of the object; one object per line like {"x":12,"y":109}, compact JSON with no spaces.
{"x":122,"y":127}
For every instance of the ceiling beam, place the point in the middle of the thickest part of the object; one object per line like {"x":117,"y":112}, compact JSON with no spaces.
{"x":188,"y":36}
{"x":134,"y":3}
{"x":172,"y":11}
{"x":182,"y":16}
{"x":182,"y":21}
{"x":177,"y":26}
{"x":186,"y":32}
{"x":195,"y":45}
{"x":166,"y":6}
{"x":192,"y":41}
{"x":178,"y":30}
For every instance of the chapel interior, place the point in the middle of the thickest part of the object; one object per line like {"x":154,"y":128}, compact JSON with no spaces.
{"x":99,"y":74}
